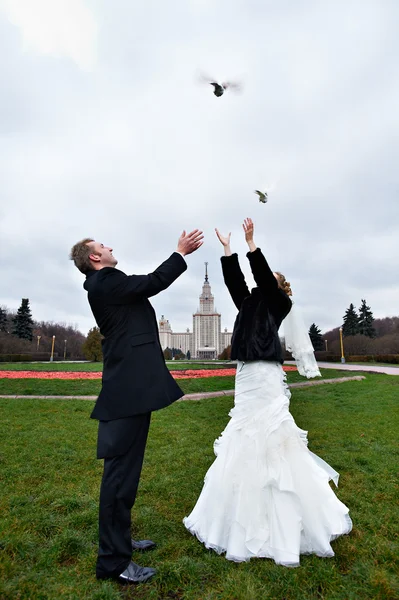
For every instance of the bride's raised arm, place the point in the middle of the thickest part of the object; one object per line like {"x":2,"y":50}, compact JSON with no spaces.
{"x":261,"y":271}
{"x":232,"y":274}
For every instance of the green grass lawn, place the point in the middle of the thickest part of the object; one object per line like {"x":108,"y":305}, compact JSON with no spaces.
{"x":51,"y":366}
{"x":175,"y":365}
{"x":49,"y":480}
{"x":91,"y":387}
{"x":50,"y":387}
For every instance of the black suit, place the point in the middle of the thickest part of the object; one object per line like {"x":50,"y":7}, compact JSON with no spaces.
{"x":135,"y":382}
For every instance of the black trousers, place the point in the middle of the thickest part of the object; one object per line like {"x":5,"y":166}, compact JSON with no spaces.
{"x":122,"y":444}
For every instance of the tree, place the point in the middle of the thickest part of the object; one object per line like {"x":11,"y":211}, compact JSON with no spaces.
{"x":177,"y":353}
{"x":366,"y":320}
{"x":225,"y":354}
{"x":92,"y":347}
{"x":188,"y":354}
{"x":167,"y":354}
{"x":62,"y":331}
{"x":23,"y":322}
{"x":358,"y":344}
{"x":386,"y":326}
{"x":3,"y":320}
{"x":316,"y":337}
{"x":351,"y":322}
{"x":388,"y":344}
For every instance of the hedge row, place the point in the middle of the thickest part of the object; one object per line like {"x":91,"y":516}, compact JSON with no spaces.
{"x":382,"y":358}
{"x":37,"y":356}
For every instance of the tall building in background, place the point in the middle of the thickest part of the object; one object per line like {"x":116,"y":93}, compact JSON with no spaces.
{"x":206,"y":324}
{"x":206,"y":340}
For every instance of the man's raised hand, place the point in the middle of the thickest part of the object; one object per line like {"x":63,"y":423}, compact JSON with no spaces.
{"x":190,"y":243}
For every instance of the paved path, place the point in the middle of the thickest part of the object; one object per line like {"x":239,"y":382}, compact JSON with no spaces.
{"x":350,"y":367}
{"x":197,"y":396}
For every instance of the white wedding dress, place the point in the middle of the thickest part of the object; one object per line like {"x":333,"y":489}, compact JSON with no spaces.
{"x":266,"y":495}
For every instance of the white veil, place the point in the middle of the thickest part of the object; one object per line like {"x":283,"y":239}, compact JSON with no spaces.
{"x":297,"y":341}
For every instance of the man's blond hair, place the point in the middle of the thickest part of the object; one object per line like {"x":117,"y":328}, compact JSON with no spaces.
{"x":80,"y":255}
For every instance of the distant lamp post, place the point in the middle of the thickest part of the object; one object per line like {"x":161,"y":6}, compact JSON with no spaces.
{"x":342,"y":345}
{"x":65,"y":343}
{"x":52,"y":350}
{"x":38,"y":342}
{"x":326,"y":343}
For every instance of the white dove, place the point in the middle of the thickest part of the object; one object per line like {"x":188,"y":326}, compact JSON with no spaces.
{"x":262,"y":196}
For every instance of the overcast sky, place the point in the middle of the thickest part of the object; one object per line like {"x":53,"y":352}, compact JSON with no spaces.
{"x":106,"y":132}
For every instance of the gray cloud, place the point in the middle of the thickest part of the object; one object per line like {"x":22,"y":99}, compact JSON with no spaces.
{"x":135,"y":150}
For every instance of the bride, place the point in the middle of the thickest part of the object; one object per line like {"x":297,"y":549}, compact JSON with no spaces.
{"x":266,"y":495}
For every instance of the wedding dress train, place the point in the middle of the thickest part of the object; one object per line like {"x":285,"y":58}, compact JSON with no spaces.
{"x":266,"y":494}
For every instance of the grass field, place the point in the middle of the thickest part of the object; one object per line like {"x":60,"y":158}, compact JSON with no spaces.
{"x":51,"y":366}
{"x":175,"y":365}
{"x":78,"y":387}
{"x":49,"y":491}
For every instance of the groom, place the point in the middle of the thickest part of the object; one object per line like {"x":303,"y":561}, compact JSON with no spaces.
{"x":135,"y":382}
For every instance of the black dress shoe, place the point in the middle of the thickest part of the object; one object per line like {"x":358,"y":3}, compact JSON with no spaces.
{"x":143,"y":545}
{"x":135,"y":574}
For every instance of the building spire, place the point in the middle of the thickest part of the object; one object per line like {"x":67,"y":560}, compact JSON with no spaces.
{"x":206,"y":272}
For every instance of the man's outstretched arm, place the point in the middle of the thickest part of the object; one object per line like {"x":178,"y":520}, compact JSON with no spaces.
{"x":127,"y":288}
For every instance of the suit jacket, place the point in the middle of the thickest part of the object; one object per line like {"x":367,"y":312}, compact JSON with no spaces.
{"x":135,"y":378}
{"x":261,"y":310}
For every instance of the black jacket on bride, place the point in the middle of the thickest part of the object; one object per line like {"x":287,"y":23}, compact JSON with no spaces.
{"x":261,"y":311}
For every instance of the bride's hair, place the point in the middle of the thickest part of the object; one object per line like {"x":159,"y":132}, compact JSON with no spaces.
{"x":284,"y":284}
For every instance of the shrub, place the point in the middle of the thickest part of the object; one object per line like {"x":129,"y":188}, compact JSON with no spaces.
{"x":360,"y":358}
{"x":382,"y":358}
{"x":15,"y":357}
{"x":37,"y":356}
{"x":324,"y":356}
{"x":329,"y":357}
{"x":387,"y":358}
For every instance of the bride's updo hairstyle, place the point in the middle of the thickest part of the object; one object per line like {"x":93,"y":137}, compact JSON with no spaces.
{"x":284,"y":284}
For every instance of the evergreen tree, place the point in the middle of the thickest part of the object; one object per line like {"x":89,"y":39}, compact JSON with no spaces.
{"x":366,"y":320}
{"x":167,"y":354}
{"x":316,"y":337}
{"x":23,"y":322}
{"x":3,"y":320}
{"x":188,"y":354}
{"x":91,"y":348}
{"x":351,"y":322}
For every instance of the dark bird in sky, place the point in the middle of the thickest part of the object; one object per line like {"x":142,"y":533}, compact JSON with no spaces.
{"x":220,"y":88}
{"x":262,"y":196}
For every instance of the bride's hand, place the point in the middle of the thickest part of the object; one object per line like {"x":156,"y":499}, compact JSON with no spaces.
{"x":248,"y":228}
{"x":224,"y":240}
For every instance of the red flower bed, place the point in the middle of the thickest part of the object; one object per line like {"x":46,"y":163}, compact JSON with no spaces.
{"x":196,"y":373}
{"x":49,"y":375}
{"x":183,"y":374}
{"x":193,"y":374}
